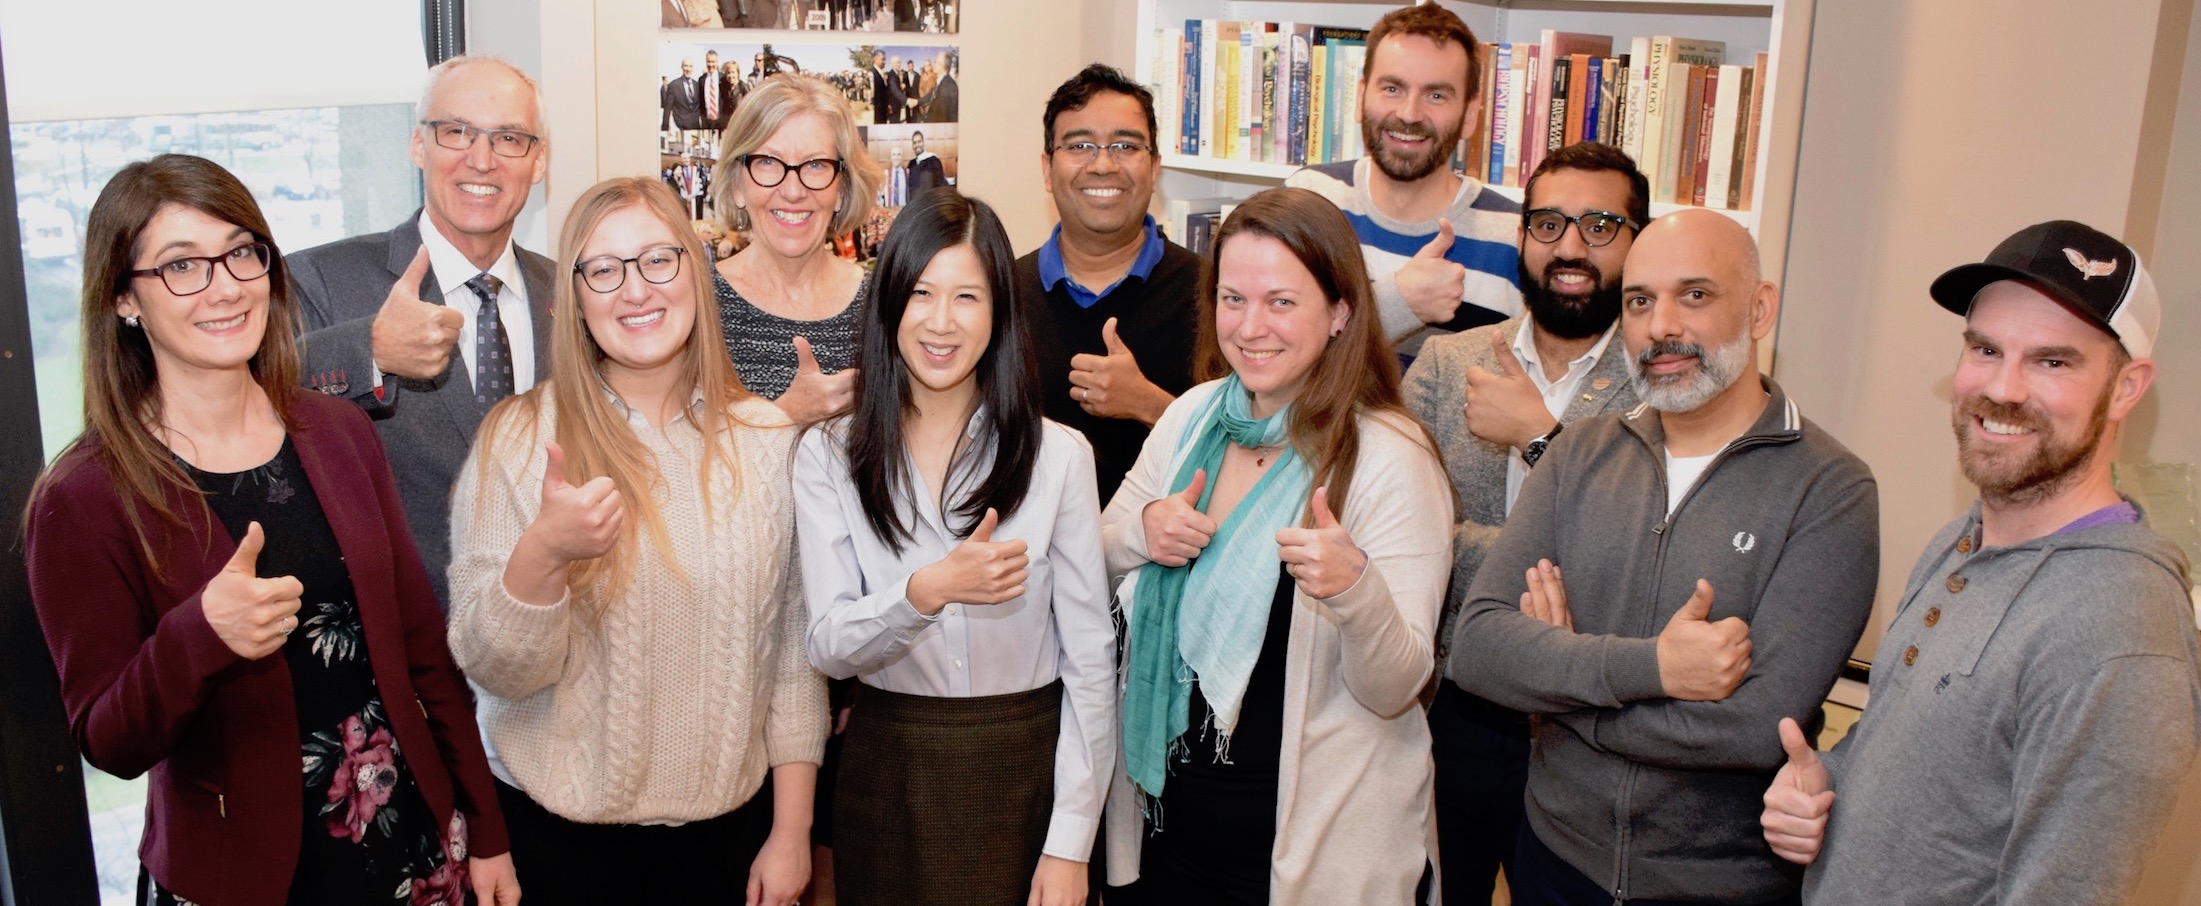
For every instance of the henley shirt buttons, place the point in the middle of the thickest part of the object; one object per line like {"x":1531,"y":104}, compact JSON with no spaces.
{"x":1964,"y":544}
{"x":1933,"y":615}
{"x":1956,"y":583}
{"x":1910,"y":656}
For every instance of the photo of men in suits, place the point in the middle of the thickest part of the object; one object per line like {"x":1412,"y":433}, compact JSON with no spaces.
{"x":888,"y":99}
{"x":935,"y":17}
{"x":683,"y":99}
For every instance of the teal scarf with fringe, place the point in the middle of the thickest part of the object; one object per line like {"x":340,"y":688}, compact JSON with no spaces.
{"x":1206,"y":619}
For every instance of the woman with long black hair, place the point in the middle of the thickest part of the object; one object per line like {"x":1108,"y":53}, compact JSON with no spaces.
{"x":951,"y":559}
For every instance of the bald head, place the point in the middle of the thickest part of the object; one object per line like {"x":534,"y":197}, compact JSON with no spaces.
{"x":1693,"y":306}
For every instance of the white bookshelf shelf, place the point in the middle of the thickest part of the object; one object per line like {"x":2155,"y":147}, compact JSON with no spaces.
{"x":1224,"y":167}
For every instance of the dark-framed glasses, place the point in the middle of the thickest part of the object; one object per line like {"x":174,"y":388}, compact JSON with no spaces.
{"x":460,"y":137}
{"x":606,"y":273}
{"x":1598,"y":228}
{"x":816,"y":174}
{"x":185,"y":276}
{"x":1082,"y":153}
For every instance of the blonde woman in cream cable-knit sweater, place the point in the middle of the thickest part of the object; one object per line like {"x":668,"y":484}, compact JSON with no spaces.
{"x":624,"y":594}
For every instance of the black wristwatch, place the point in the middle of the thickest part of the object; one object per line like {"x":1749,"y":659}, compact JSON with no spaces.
{"x":1535,"y":449}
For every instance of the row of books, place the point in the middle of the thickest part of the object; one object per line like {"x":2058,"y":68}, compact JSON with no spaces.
{"x":1689,"y":119}
{"x":1288,"y":93}
{"x":1270,"y":92}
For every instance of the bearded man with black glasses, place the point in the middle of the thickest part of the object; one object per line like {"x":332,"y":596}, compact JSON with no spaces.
{"x":428,"y":325}
{"x":1494,"y":397}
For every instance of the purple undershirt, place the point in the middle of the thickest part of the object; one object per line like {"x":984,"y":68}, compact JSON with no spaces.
{"x":2120,"y":513}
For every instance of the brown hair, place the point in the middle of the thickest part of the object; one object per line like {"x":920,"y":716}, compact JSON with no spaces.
{"x":122,"y":403}
{"x":592,"y":430}
{"x":769,"y":106}
{"x":1435,"y":23}
{"x":1358,"y":374}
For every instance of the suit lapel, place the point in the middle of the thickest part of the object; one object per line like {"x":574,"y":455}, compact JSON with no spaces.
{"x":539,"y":274}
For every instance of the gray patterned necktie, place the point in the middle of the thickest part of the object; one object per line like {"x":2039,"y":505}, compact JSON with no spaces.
{"x":492,"y":353}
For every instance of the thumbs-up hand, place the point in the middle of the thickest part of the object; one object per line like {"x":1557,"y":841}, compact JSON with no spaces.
{"x":1323,"y":559}
{"x":1112,"y":386}
{"x":979,"y":570}
{"x":575,"y":523}
{"x":814,"y":395}
{"x":412,"y":338}
{"x":253,"y":616}
{"x":1546,"y":597}
{"x":1797,"y":804}
{"x":1176,"y":530}
{"x":1698,"y":660}
{"x":1431,"y":284}
{"x":1503,"y":405}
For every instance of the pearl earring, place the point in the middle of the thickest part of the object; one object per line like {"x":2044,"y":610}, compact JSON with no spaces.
{"x":131,"y":320}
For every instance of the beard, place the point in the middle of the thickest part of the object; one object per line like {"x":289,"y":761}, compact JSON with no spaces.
{"x":2015,"y":476}
{"x":1407,"y":167}
{"x":1570,"y":317}
{"x":1717,"y":369}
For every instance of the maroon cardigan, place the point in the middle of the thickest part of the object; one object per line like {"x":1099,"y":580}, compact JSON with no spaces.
{"x":150,"y":687}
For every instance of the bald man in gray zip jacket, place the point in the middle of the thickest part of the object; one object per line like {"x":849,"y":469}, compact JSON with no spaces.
{"x":1702,"y":566}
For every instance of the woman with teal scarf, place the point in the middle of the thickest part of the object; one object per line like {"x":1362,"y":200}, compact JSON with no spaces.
{"x":1286,"y":539}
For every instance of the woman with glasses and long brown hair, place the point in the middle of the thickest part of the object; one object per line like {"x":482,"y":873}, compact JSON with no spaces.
{"x":792,"y":175}
{"x":231,"y":594}
{"x":624,"y":591}
{"x":1289,"y":530}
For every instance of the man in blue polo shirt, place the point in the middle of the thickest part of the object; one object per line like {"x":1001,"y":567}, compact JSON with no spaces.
{"x":1441,"y":247}
{"x":1116,"y":345}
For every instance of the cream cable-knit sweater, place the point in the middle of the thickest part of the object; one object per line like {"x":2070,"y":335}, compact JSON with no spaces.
{"x":673,"y":706}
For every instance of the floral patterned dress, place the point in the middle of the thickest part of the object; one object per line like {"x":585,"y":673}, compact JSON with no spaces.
{"x":369,"y":836}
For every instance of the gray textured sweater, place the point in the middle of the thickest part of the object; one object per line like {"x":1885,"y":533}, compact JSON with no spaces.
{"x":2033,"y":708}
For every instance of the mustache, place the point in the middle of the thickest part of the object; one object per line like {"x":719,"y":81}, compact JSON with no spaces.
{"x":1666,"y":348}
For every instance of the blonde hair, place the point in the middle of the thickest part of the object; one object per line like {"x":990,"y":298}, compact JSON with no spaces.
{"x":769,"y":106}
{"x":592,"y":430}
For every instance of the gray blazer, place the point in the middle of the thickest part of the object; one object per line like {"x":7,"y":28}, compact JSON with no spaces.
{"x":427,"y":427}
{"x":1436,"y":392}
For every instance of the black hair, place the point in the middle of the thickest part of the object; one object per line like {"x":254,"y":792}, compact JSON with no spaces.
{"x":1090,"y":81}
{"x":1008,"y":372}
{"x":1597,"y":158}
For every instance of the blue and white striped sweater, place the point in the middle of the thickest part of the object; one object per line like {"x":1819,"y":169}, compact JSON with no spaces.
{"x":1486,"y":226}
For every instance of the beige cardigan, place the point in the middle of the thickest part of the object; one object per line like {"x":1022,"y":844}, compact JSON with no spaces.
{"x":1353,"y":822}
{"x":674,"y":704}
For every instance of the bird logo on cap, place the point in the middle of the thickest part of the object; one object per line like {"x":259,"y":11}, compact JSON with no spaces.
{"x":2089,"y":267}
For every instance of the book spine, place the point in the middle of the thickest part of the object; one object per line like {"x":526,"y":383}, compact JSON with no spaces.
{"x":1593,"y":101}
{"x":1517,"y":142}
{"x":1210,"y":87}
{"x":1578,"y":98}
{"x":1318,"y":150}
{"x":1639,"y":58}
{"x":1702,"y":94}
{"x":1501,"y":106}
{"x":1670,"y":139}
{"x":1349,"y":128}
{"x":1555,"y":123}
{"x":1759,"y":90}
{"x":1657,"y":89}
{"x":1301,"y":59}
{"x":1610,"y":119}
{"x":1188,"y":103}
{"x":1720,"y":147}
{"x":1535,"y":100}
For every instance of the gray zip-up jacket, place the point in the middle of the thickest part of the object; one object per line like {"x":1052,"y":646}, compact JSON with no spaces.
{"x":2033,"y":709}
{"x":1650,"y":796}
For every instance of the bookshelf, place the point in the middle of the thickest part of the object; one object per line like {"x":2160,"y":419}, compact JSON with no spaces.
{"x":1778,"y":28}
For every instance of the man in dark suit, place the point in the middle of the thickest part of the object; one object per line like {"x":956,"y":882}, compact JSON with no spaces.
{"x":925,"y":169}
{"x":684,"y":97}
{"x":908,"y":76}
{"x":941,"y":103}
{"x":428,"y":325}
{"x":711,"y":93}
{"x":887,"y":97}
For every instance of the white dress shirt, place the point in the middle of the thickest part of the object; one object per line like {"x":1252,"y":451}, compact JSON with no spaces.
{"x":862,"y":623}
{"x":1557,"y":394}
{"x":452,"y":270}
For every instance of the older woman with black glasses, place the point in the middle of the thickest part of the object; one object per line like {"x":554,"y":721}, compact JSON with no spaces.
{"x":792,"y":174}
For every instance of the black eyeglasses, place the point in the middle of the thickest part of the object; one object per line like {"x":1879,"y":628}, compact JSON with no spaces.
{"x":1598,"y":228}
{"x":460,"y":137}
{"x":185,"y":276}
{"x":606,"y":273}
{"x":1083,"y":153}
{"x":816,"y":174}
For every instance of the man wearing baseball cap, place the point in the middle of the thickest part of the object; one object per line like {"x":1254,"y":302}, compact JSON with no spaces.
{"x":2036,"y":700}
